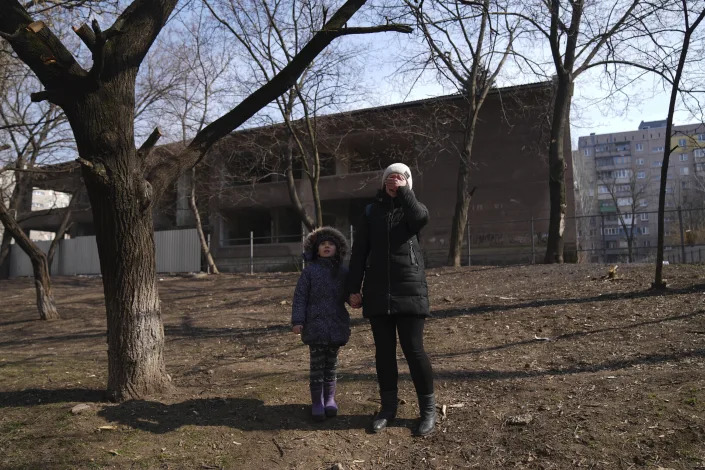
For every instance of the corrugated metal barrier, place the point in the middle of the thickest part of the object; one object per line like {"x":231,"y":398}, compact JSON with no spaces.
{"x":177,"y":251}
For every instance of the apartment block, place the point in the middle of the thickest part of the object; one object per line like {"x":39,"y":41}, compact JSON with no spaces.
{"x":618,"y":177}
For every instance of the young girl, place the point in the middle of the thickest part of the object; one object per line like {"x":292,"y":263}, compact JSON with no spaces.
{"x":319,"y":314}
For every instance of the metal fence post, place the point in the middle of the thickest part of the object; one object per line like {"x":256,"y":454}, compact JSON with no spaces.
{"x":680,"y":225}
{"x":602,"y":238}
{"x":303,"y":239}
{"x":252,"y":252}
{"x":533,"y":242}
{"x":208,"y":244}
{"x":467,"y":229}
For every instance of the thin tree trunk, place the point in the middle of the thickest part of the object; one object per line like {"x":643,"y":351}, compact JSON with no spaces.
{"x":460,"y":217}
{"x":294,"y":195}
{"x":63,"y":227}
{"x":42,"y":281}
{"x":5,"y":245}
{"x":556,"y":171}
{"x":205,"y":249}
{"x":13,"y":205}
{"x":317,"y":202}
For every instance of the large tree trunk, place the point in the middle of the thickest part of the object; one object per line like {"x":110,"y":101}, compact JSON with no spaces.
{"x":121,"y":203}
{"x":42,"y":281}
{"x":124,"y":232}
{"x":556,"y":171}
{"x":205,"y":249}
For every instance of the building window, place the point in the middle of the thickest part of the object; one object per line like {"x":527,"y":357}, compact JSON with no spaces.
{"x":639,"y":147}
{"x":658,"y":148}
{"x":683,"y":157}
{"x":639,"y":161}
{"x":644,"y":230}
{"x":644,"y":216}
{"x":644,"y":203}
{"x":701,"y":137}
{"x":682,"y":142}
{"x":699,"y":153}
{"x":641,"y":175}
{"x":657,"y":163}
{"x":586,"y":152}
{"x":621,"y":173}
{"x":684,"y":170}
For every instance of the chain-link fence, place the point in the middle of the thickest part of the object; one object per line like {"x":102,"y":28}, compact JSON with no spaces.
{"x":625,"y":236}
{"x":609,"y":237}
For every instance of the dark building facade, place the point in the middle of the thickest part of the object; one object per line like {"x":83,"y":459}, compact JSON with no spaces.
{"x":242,"y":188}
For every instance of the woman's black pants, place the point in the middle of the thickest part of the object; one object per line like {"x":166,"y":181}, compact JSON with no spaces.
{"x":410,"y":329}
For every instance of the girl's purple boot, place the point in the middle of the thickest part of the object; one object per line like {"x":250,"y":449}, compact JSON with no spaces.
{"x":329,"y":404}
{"x":317,"y":410}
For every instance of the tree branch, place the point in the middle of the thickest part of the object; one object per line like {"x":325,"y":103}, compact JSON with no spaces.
{"x":148,"y":144}
{"x":86,"y":34}
{"x":168,"y":170}
{"x":138,"y":26}
{"x":399,"y":28}
{"x":39,"y":48}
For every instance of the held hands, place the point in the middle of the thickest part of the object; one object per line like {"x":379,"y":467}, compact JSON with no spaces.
{"x":355,"y":300}
{"x":297,"y":329}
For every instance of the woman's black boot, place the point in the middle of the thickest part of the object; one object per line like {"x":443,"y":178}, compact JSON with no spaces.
{"x":427,"y":407}
{"x":388,"y":411}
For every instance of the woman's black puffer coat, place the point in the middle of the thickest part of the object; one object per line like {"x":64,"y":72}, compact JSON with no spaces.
{"x":387,"y":254}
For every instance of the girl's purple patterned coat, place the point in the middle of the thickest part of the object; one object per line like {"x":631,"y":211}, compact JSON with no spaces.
{"x":319,"y":298}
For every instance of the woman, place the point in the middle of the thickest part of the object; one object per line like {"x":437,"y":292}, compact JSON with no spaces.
{"x":386,"y":253}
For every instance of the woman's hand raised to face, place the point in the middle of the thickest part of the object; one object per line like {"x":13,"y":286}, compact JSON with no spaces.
{"x":393,"y":182}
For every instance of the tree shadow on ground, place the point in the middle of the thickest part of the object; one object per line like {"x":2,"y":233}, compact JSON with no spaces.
{"x":573,"y":335}
{"x":24,"y":341}
{"x":246,"y":414}
{"x":37,"y":396}
{"x":609,"y":297}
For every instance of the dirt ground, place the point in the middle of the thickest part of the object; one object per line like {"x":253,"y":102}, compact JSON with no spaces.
{"x":536,"y":367}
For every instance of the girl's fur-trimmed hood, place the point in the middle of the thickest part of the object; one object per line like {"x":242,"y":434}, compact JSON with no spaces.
{"x":313,"y":239}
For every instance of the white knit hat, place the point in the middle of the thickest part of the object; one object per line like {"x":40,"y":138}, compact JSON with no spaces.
{"x":402,"y":170}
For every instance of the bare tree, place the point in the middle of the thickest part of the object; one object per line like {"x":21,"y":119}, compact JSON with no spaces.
{"x":271,"y":33}
{"x":626,"y":192}
{"x":579,"y":35}
{"x":35,"y":135}
{"x":467,"y":44}
{"x":667,"y":40}
{"x":201,"y":60}
{"x":122,"y":181}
